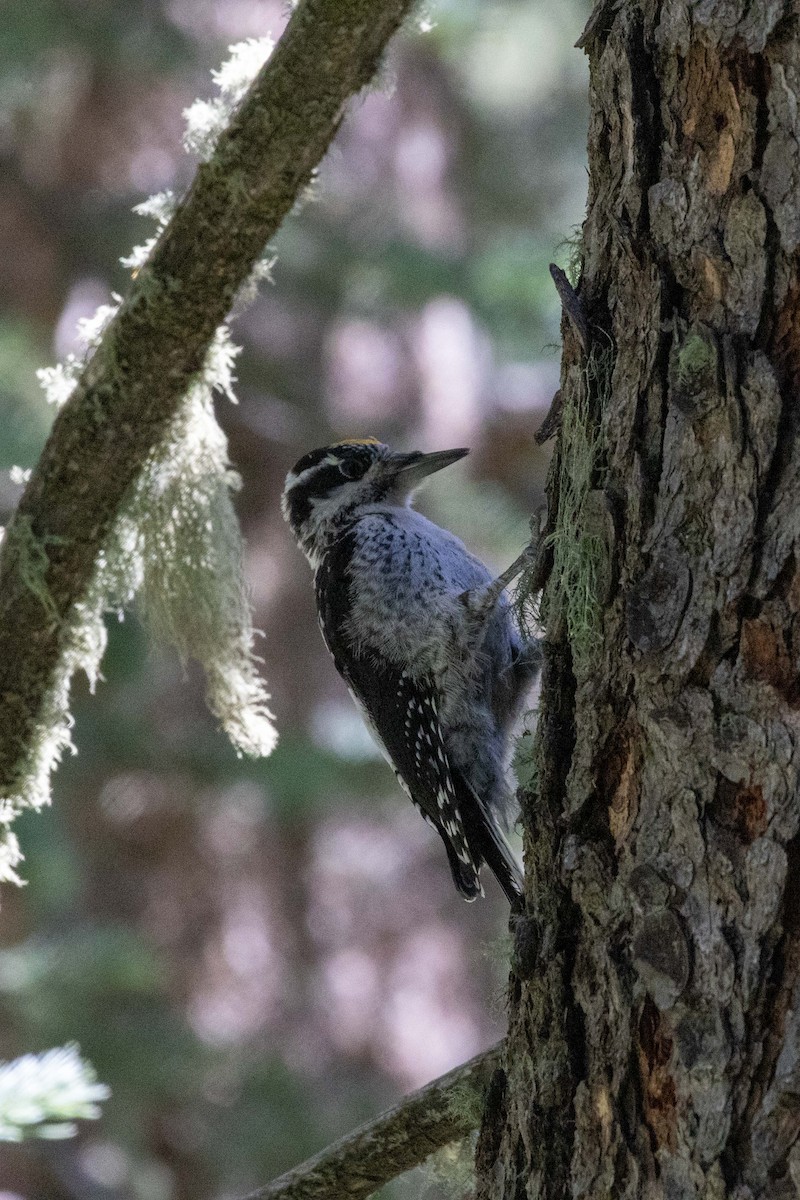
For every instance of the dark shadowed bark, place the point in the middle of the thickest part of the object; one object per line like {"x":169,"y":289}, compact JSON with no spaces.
{"x":654,"y":1042}
{"x":133,"y":386}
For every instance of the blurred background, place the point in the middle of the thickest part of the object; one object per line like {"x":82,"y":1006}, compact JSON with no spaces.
{"x":258,"y":956}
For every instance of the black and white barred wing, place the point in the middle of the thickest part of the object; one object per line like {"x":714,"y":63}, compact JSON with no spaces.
{"x":403,"y":712}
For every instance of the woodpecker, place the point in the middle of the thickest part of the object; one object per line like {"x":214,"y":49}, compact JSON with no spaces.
{"x":425,"y":640}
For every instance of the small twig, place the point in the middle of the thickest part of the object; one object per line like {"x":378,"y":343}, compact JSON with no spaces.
{"x":572,"y":306}
{"x":552,"y":422}
{"x":598,"y":25}
{"x":535,"y":576}
{"x":399,"y":1139}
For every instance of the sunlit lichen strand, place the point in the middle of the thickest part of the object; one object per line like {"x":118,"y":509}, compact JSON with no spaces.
{"x":181,"y":532}
{"x":42,"y":1095}
{"x":123,"y":406}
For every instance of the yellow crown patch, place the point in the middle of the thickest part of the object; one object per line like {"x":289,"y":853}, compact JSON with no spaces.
{"x":368,"y":441}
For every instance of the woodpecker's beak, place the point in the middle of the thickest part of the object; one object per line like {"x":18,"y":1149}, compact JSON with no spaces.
{"x":411,"y":469}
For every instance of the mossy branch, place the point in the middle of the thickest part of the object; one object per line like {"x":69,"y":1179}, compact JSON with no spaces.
{"x":133,"y":385}
{"x":400,"y":1138}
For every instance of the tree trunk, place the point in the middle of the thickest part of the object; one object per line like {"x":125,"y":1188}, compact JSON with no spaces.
{"x":654,"y":1041}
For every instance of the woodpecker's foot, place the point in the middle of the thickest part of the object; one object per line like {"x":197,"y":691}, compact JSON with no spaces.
{"x":552,"y":422}
{"x":520,"y":564}
{"x":572,"y":305}
{"x":480,"y":601}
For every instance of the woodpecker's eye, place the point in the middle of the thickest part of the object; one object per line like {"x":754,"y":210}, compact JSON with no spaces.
{"x":354,"y":468}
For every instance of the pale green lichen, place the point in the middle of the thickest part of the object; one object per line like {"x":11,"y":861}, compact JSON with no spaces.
{"x":60,"y":381}
{"x":693,"y":363}
{"x":205,"y":119}
{"x":175,"y":548}
{"x":182,"y":533}
{"x":30,"y":552}
{"x":694,"y":356}
{"x":465,"y":1099}
{"x":571,"y":249}
{"x":10,"y":853}
{"x":42,"y":1095}
{"x":160,"y":207}
{"x":525,"y":763}
{"x":83,"y":643}
{"x":450,"y":1171}
{"x":580,"y":549}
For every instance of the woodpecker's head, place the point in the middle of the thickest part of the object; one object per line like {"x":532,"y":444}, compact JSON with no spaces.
{"x":330,"y":486}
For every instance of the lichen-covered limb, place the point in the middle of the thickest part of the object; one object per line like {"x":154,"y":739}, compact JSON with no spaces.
{"x":400,"y":1138}
{"x":132,"y":387}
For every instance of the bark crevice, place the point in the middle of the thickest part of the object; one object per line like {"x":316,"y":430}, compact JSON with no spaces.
{"x":678,"y":791}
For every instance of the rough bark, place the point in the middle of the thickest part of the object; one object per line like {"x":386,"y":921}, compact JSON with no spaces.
{"x":134,"y":383}
{"x":401,"y":1138}
{"x":654,"y":1041}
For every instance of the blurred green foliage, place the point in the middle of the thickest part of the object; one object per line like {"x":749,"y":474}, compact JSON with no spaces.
{"x":26,"y":419}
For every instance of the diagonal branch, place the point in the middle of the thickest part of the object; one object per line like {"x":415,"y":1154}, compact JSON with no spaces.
{"x":132,"y":387}
{"x":400,"y":1138}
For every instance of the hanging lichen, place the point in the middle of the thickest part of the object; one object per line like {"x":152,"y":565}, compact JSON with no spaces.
{"x":579,"y":539}
{"x":175,"y":547}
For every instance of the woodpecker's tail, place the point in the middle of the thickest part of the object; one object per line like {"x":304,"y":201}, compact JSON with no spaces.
{"x":465,"y":875}
{"x":487,"y":842}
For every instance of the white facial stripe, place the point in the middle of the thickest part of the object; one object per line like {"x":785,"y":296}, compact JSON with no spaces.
{"x":292,"y":480}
